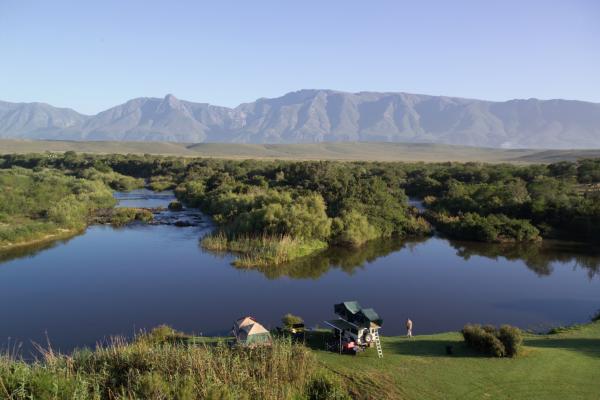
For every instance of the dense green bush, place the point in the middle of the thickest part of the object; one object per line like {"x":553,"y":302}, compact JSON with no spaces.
{"x":483,"y":340}
{"x":505,"y":341}
{"x":490,"y":228}
{"x":361,"y":200}
{"x":35,"y":205}
{"x":353,"y":229}
{"x":511,"y":338}
{"x":161,"y":183}
{"x":124,"y":215}
{"x":113,"y":179}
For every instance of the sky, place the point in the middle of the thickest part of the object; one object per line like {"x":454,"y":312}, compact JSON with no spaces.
{"x":90,"y":56}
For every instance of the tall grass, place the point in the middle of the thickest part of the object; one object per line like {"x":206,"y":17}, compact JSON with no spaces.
{"x":256,"y":251}
{"x":148,"y":370}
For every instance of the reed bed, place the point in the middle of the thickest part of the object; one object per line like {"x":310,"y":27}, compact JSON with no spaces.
{"x":258,"y":251}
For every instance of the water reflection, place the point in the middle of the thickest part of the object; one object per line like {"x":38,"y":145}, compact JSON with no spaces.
{"x":116,"y":281}
{"x":348,"y":260}
{"x":29,"y":251}
{"x":538,"y":257}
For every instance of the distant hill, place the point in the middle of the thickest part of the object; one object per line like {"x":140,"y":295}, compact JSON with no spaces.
{"x":342,"y":151}
{"x":313,"y":116}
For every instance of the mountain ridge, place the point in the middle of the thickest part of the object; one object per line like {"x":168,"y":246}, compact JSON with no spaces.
{"x":320,"y":115}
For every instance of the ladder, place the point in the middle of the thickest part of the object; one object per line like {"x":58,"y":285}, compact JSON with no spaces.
{"x":378,"y":344}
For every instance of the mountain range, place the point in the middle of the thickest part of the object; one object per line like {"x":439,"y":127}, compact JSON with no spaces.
{"x":310,"y":116}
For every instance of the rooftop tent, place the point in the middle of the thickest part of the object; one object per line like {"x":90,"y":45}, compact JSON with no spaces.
{"x":248,"y":331}
{"x":347,"y":309}
{"x":369,"y":316}
{"x":341,"y":325}
{"x":352,"y":312}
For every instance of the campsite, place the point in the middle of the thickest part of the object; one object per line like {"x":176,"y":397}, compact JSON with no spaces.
{"x":164,"y":362}
{"x":342,"y":246}
{"x":299,"y":200}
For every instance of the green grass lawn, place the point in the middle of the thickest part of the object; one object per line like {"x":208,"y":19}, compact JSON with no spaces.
{"x":560,"y":366}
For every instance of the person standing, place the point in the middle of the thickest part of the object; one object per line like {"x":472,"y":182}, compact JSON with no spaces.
{"x":409,"y":327}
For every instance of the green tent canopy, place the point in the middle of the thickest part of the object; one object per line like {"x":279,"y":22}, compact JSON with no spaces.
{"x":352,"y":312}
{"x":347,"y":309}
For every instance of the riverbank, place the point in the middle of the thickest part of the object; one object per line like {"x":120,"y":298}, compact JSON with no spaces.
{"x":45,"y":238}
{"x":116,"y":217}
{"x":165,"y":365}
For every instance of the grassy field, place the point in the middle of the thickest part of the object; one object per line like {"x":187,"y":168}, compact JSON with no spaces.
{"x":365,"y":151}
{"x":169,"y":365}
{"x":559,"y":366}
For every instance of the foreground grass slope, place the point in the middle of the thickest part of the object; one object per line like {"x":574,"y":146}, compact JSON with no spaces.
{"x":559,"y":366}
{"x":164,"y":365}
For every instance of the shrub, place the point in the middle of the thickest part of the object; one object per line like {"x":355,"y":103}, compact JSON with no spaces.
{"x":191,"y":193}
{"x":116,"y":181}
{"x":289,"y":320}
{"x":483,"y":341}
{"x":175,"y":206}
{"x":161,"y":183}
{"x":353,"y":229}
{"x":39,"y":204}
{"x":125,"y":215}
{"x":161,"y":334}
{"x":505,"y":341}
{"x":490,"y":228}
{"x":511,"y":338}
{"x":416,"y":225}
{"x":596,"y":316}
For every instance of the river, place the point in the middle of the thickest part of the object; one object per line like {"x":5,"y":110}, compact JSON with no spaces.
{"x":117,"y":281}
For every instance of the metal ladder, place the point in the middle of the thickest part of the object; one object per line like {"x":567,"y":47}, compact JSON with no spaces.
{"x":378,"y":344}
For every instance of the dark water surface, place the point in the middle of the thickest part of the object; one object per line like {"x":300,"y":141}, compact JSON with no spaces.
{"x":117,"y":281}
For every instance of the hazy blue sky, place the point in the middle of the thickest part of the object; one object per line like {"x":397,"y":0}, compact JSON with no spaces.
{"x":92,"y":56}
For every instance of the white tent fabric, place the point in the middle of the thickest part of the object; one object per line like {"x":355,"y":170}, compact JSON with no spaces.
{"x":246,"y":327}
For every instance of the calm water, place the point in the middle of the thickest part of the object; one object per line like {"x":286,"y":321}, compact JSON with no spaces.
{"x":117,"y":281}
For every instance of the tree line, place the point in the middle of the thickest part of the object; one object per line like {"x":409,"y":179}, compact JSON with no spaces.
{"x":349,"y":203}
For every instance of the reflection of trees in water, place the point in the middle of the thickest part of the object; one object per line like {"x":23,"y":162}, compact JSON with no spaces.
{"x":28,"y":251}
{"x":346,"y":259}
{"x":538,"y":257}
